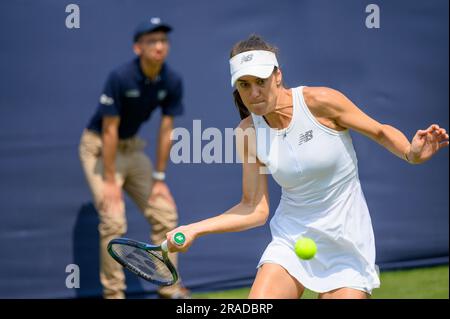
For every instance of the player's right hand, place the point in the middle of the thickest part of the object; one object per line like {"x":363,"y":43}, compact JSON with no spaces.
{"x":189,"y":239}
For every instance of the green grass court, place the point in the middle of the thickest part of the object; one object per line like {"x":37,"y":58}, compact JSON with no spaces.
{"x":421,"y":283}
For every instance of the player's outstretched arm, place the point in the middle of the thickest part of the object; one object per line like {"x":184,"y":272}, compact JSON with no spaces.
{"x":335,"y":106}
{"x":251,"y":211}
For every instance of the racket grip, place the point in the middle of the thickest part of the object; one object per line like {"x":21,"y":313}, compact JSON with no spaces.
{"x":177,"y":238}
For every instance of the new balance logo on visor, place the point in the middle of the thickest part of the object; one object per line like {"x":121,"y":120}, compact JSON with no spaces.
{"x":305,"y":137}
{"x":246,"y":58}
{"x":106,"y":100}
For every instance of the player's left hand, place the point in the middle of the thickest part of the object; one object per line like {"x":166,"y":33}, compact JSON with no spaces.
{"x":426,"y":143}
{"x":160,"y":189}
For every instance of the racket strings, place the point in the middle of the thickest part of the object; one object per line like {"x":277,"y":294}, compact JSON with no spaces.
{"x":149,"y":264}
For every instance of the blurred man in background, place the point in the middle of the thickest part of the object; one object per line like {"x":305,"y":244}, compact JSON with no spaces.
{"x":112,"y":155}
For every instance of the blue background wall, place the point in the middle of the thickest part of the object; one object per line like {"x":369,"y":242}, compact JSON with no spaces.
{"x":50,"y":82}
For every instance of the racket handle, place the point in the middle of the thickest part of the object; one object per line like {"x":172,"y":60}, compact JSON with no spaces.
{"x":177,"y":238}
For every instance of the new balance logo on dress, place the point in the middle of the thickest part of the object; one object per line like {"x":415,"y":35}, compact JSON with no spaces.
{"x":305,"y":137}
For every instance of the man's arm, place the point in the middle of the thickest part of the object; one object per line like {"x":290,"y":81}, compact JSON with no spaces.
{"x":110,"y":140}
{"x":112,"y":195}
{"x":162,"y":155}
{"x":164,"y":143}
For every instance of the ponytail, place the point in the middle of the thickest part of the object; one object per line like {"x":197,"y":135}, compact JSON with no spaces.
{"x":243,"y":111}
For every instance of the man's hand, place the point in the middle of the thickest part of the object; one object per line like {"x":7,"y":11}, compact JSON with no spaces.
{"x":112,"y":201}
{"x":160,"y":189}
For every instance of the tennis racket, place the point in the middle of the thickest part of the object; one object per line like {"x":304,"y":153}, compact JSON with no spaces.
{"x":150,"y":262}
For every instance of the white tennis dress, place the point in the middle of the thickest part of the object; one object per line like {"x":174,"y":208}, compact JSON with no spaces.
{"x":321,"y":199}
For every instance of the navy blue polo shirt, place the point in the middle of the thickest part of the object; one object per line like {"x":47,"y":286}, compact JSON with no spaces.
{"x":128,"y":93}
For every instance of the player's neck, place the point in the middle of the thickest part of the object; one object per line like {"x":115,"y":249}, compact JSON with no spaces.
{"x":150,"y":69}
{"x":281,"y":116}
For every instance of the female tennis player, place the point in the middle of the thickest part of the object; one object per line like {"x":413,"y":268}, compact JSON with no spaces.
{"x":311,"y":155}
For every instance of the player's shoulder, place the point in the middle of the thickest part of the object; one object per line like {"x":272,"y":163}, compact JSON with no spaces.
{"x":322,"y":101}
{"x":246,"y":136}
{"x":246,"y":123}
{"x":319,"y":95}
{"x":246,"y":128}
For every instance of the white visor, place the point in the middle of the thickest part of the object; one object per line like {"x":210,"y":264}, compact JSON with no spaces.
{"x":258,"y":63}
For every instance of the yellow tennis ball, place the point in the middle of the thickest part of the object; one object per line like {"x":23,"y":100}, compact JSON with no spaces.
{"x":305,"y":248}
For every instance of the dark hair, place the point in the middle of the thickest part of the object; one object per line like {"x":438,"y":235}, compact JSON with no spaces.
{"x":254,"y":42}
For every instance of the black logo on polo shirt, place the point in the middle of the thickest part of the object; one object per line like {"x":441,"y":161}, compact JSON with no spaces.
{"x":246,"y":58}
{"x":305,"y":137}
